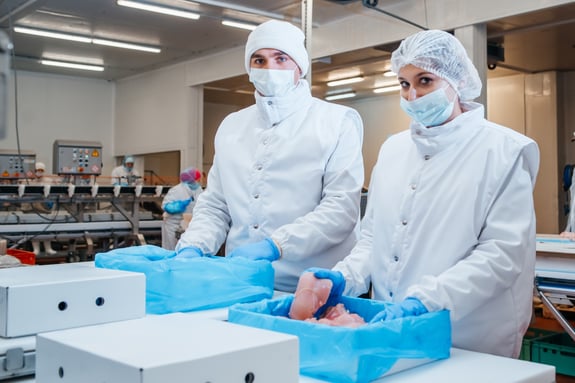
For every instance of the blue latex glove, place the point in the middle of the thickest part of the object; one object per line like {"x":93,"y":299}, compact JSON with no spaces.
{"x":190,"y":252}
{"x":338,"y":285}
{"x":409,"y":307}
{"x":266,"y":250}
{"x":176,"y":207}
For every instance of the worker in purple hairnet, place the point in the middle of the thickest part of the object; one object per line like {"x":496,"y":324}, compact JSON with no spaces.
{"x":179,"y":200}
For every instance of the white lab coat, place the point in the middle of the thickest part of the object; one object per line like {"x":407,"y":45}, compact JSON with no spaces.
{"x":290,"y":168}
{"x":450,"y":220}
{"x":171,"y":222}
{"x":120,"y":176}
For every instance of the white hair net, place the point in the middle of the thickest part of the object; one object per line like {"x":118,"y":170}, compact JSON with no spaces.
{"x":440,"y":53}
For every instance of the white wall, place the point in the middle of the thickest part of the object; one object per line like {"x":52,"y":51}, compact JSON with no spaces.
{"x":213,"y":116}
{"x":53,"y":107}
{"x":382,"y":117}
{"x":157,"y":112}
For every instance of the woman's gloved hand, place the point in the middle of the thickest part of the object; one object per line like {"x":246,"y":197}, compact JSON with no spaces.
{"x":338,"y":285}
{"x":177,"y":207}
{"x":263,"y":250}
{"x":190,"y":252}
{"x":409,"y":307}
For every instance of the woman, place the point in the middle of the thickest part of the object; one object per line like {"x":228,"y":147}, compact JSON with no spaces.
{"x":450,"y":221}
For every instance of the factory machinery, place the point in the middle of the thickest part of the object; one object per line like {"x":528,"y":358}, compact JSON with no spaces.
{"x":79,"y":216}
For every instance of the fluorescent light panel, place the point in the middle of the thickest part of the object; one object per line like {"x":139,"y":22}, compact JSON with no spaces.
{"x":351,"y":80}
{"x":85,"y":39}
{"x":387,"y":89}
{"x":389,"y":73}
{"x":63,"y":64}
{"x":159,"y":9}
{"x":54,"y":35}
{"x":340,"y":96}
{"x":120,"y":44}
{"x":237,"y":24}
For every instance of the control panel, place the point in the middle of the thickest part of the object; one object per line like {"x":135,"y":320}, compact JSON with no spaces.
{"x":77,"y":158}
{"x":17,"y":165}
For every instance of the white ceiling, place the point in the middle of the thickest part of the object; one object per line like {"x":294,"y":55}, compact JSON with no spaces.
{"x":533,"y":42}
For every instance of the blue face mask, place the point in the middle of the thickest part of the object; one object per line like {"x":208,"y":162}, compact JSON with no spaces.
{"x":193,"y":185}
{"x":430,"y":110}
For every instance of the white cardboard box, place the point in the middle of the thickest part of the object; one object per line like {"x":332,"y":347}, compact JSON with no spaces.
{"x":174,"y":348}
{"x":51,"y":297}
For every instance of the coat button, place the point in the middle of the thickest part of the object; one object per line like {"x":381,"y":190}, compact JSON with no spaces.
{"x":256,"y":226}
{"x":426,"y":157}
{"x":404,"y":222}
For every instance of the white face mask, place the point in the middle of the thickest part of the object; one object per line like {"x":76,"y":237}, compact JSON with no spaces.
{"x":272,"y":82}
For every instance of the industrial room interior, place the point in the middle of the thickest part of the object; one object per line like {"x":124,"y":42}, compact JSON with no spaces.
{"x":163,"y":104}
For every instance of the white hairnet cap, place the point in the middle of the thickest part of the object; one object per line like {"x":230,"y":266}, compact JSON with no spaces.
{"x":282,"y":36}
{"x":440,"y":53}
{"x":40,"y":166}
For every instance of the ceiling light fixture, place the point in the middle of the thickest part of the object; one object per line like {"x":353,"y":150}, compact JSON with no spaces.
{"x":54,"y":35}
{"x":387,"y":89}
{"x":345,"y":81}
{"x":120,"y":44}
{"x":389,"y":73}
{"x":86,"y":39}
{"x":237,"y":24}
{"x":72,"y":65}
{"x":159,"y":9}
{"x":340,"y":96}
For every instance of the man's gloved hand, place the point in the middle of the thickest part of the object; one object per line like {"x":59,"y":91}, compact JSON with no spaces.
{"x":409,"y":307}
{"x":262,"y":250}
{"x":190,"y":252}
{"x":177,"y":207}
{"x":338,"y":285}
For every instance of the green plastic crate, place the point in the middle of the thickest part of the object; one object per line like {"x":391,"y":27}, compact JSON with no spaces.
{"x":531,"y":335}
{"x":557,"y":350}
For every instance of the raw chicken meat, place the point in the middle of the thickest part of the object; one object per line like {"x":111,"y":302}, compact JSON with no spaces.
{"x":311,"y":293}
{"x":339,"y":316}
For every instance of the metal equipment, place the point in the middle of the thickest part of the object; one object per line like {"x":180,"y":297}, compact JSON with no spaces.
{"x":77,"y":158}
{"x":555,"y":276}
{"x":16,"y":165}
{"x":82,"y":218}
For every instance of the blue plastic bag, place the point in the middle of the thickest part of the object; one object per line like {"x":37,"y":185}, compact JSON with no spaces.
{"x":175,"y":284}
{"x":351,"y":355}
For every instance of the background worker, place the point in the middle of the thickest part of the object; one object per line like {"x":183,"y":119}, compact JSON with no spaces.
{"x":450,"y":221}
{"x":179,"y":200}
{"x":125,"y":174}
{"x":287,"y":173}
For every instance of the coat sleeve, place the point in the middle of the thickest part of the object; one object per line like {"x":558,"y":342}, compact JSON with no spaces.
{"x":337,"y":213}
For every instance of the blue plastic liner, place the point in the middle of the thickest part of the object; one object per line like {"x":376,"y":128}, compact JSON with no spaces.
{"x":175,"y":284}
{"x":344,"y":354}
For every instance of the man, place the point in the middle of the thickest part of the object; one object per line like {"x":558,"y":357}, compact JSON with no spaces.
{"x":287,"y":174}
{"x":125,"y":174}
